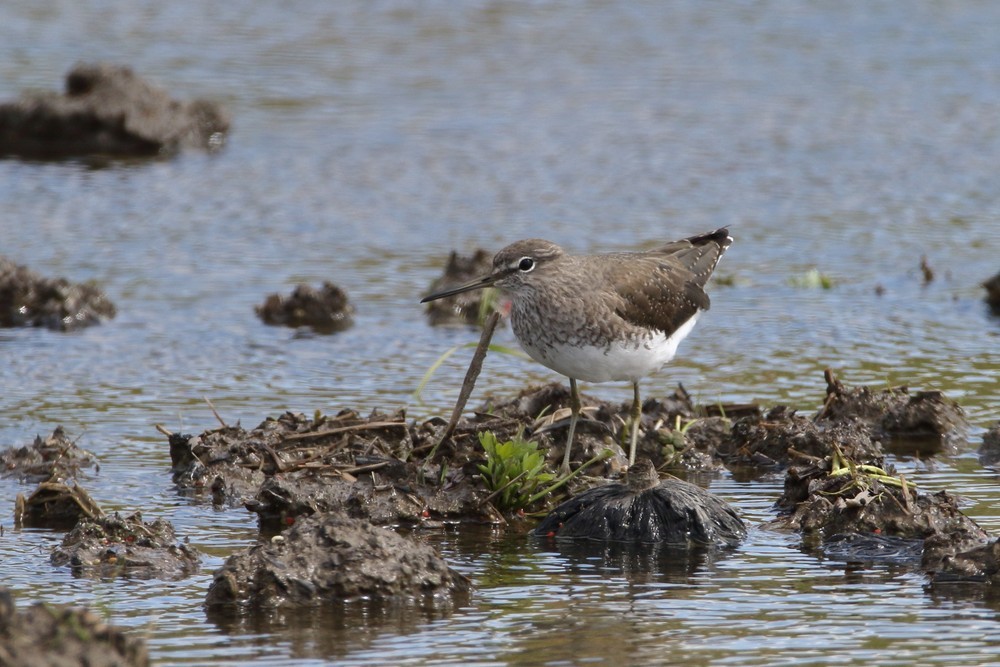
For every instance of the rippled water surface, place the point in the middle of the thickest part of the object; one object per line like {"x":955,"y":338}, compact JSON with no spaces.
{"x":371,"y":138}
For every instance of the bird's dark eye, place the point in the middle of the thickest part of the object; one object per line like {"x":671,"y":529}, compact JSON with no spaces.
{"x":526,"y":264}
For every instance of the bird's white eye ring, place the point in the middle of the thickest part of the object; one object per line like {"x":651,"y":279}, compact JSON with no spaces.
{"x":526,"y":264}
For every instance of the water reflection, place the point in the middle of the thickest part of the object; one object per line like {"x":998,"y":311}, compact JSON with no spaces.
{"x":638,"y":563}
{"x":332,"y":630}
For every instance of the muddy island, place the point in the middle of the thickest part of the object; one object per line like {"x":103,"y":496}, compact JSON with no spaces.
{"x":331,"y":558}
{"x":108,"y":110}
{"x":27,"y":299}
{"x":325,"y":310}
{"x":110,"y":546}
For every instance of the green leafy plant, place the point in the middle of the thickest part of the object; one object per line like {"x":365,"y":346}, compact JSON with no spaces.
{"x":674,"y":441}
{"x":513,"y":471}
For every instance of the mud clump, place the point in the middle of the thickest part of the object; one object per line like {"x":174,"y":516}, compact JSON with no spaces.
{"x":332,"y":558}
{"x":325,"y":310}
{"x":55,"y":504}
{"x":781,"y":436}
{"x":108,"y":110}
{"x":465,"y":308}
{"x":895,"y":414}
{"x":125,"y":546}
{"x":45,"y":634}
{"x":835,"y":497}
{"x":29,"y":300}
{"x":992,"y":287}
{"x":55,"y":456}
{"x":989,"y":451}
{"x":980,"y":564}
{"x":646,"y":509}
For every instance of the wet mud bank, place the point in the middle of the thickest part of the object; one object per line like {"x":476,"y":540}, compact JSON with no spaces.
{"x":389,"y":470}
{"x":342,"y":499}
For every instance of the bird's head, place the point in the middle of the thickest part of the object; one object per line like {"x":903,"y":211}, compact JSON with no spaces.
{"x":514,"y":269}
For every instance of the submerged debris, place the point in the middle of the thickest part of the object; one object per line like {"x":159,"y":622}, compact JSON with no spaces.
{"x":332,"y":558}
{"x":29,"y":300}
{"x":325,"y":310}
{"x":108,"y":110}
{"x":115,"y":545}
{"x":646,"y":509}
{"x":467,"y":307}
{"x":53,"y":457}
{"x":47,"y":634}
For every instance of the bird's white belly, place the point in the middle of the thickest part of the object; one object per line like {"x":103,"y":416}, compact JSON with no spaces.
{"x":619,"y":361}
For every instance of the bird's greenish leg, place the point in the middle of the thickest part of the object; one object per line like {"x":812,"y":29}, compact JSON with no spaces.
{"x":636,"y":418}
{"x":574,"y":406}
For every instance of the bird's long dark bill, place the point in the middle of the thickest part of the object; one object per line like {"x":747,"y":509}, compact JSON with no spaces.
{"x":478,"y":283}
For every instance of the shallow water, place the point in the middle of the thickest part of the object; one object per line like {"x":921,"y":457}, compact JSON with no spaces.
{"x":372,"y":138}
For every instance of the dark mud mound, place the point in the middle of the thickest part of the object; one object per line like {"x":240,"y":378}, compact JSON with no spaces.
{"x":992,"y":287}
{"x":108,"y":110}
{"x":989,"y":451}
{"x":55,"y":456}
{"x":293,"y":466}
{"x":61,"y":636}
{"x":325,"y":310}
{"x":55,"y":504}
{"x":332,"y":558}
{"x":29,"y":300}
{"x":125,"y":546}
{"x":979,"y":565}
{"x":858,"y":420}
{"x":781,"y":437}
{"x":465,"y":308}
{"x":837,"y":496}
{"x":927,"y":417}
{"x":647,"y":509}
